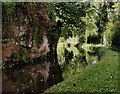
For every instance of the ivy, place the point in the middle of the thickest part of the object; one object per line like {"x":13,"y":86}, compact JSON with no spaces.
{"x":38,"y":36}
{"x":8,"y":8}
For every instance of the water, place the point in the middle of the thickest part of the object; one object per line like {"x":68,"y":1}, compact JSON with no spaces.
{"x":40,"y":74}
{"x":31,"y":77}
{"x":75,"y":63}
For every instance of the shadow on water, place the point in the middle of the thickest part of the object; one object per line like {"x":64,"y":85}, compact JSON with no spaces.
{"x":39,"y":74}
{"x":33,"y":77}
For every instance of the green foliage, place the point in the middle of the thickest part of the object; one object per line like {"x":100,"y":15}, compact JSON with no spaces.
{"x":72,"y":68}
{"x":97,"y":51}
{"x":116,"y":41}
{"x":109,"y":32}
{"x":22,"y":55}
{"x":103,"y":12}
{"x":8,"y":8}
{"x":71,"y":14}
{"x":38,"y":36}
{"x":101,"y":19}
{"x":66,"y":32}
{"x":16,"y":55}
{"x":51,"y":11}
{"x":101,"y":77}
{"x":93,"y":39}
{"x":116,"y":36}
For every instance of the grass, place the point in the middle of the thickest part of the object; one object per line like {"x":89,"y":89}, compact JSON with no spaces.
{"x":100,"y":77}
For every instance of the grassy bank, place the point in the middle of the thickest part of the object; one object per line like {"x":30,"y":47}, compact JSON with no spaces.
{"x":100,"y":77}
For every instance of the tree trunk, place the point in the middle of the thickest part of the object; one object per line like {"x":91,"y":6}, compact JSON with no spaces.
{"x":55,"y":73}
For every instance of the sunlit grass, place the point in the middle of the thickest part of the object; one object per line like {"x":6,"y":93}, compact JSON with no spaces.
{"x":100,"y":77}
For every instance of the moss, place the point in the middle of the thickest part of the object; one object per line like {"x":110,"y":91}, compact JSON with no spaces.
{"x":38,"y":35}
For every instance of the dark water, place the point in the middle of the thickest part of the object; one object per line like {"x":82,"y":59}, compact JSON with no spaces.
{"x":41,"y":75}
{"x":31,"y":78}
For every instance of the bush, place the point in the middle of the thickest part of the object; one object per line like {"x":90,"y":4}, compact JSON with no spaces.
{"x":116,"y":36}
{"x":116,"y":41}
{"x":94,"y":39}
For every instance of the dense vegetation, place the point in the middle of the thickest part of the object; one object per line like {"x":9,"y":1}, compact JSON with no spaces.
{"x":101,"y":77}
{"x":70,"y":36}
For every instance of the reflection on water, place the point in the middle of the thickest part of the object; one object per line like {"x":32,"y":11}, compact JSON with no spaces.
{"x":32,"y":78}
{"x":73,"y":59}
{"x":66,"y":46}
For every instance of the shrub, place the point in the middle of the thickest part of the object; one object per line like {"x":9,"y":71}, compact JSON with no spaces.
{"x":94,"y":39}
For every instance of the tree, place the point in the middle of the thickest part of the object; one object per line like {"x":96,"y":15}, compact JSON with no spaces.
{"x":72,"y":14}
{"x":34,"y":37}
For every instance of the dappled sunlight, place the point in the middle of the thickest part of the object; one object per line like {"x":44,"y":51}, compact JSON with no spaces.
{"x":60,"y":47}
